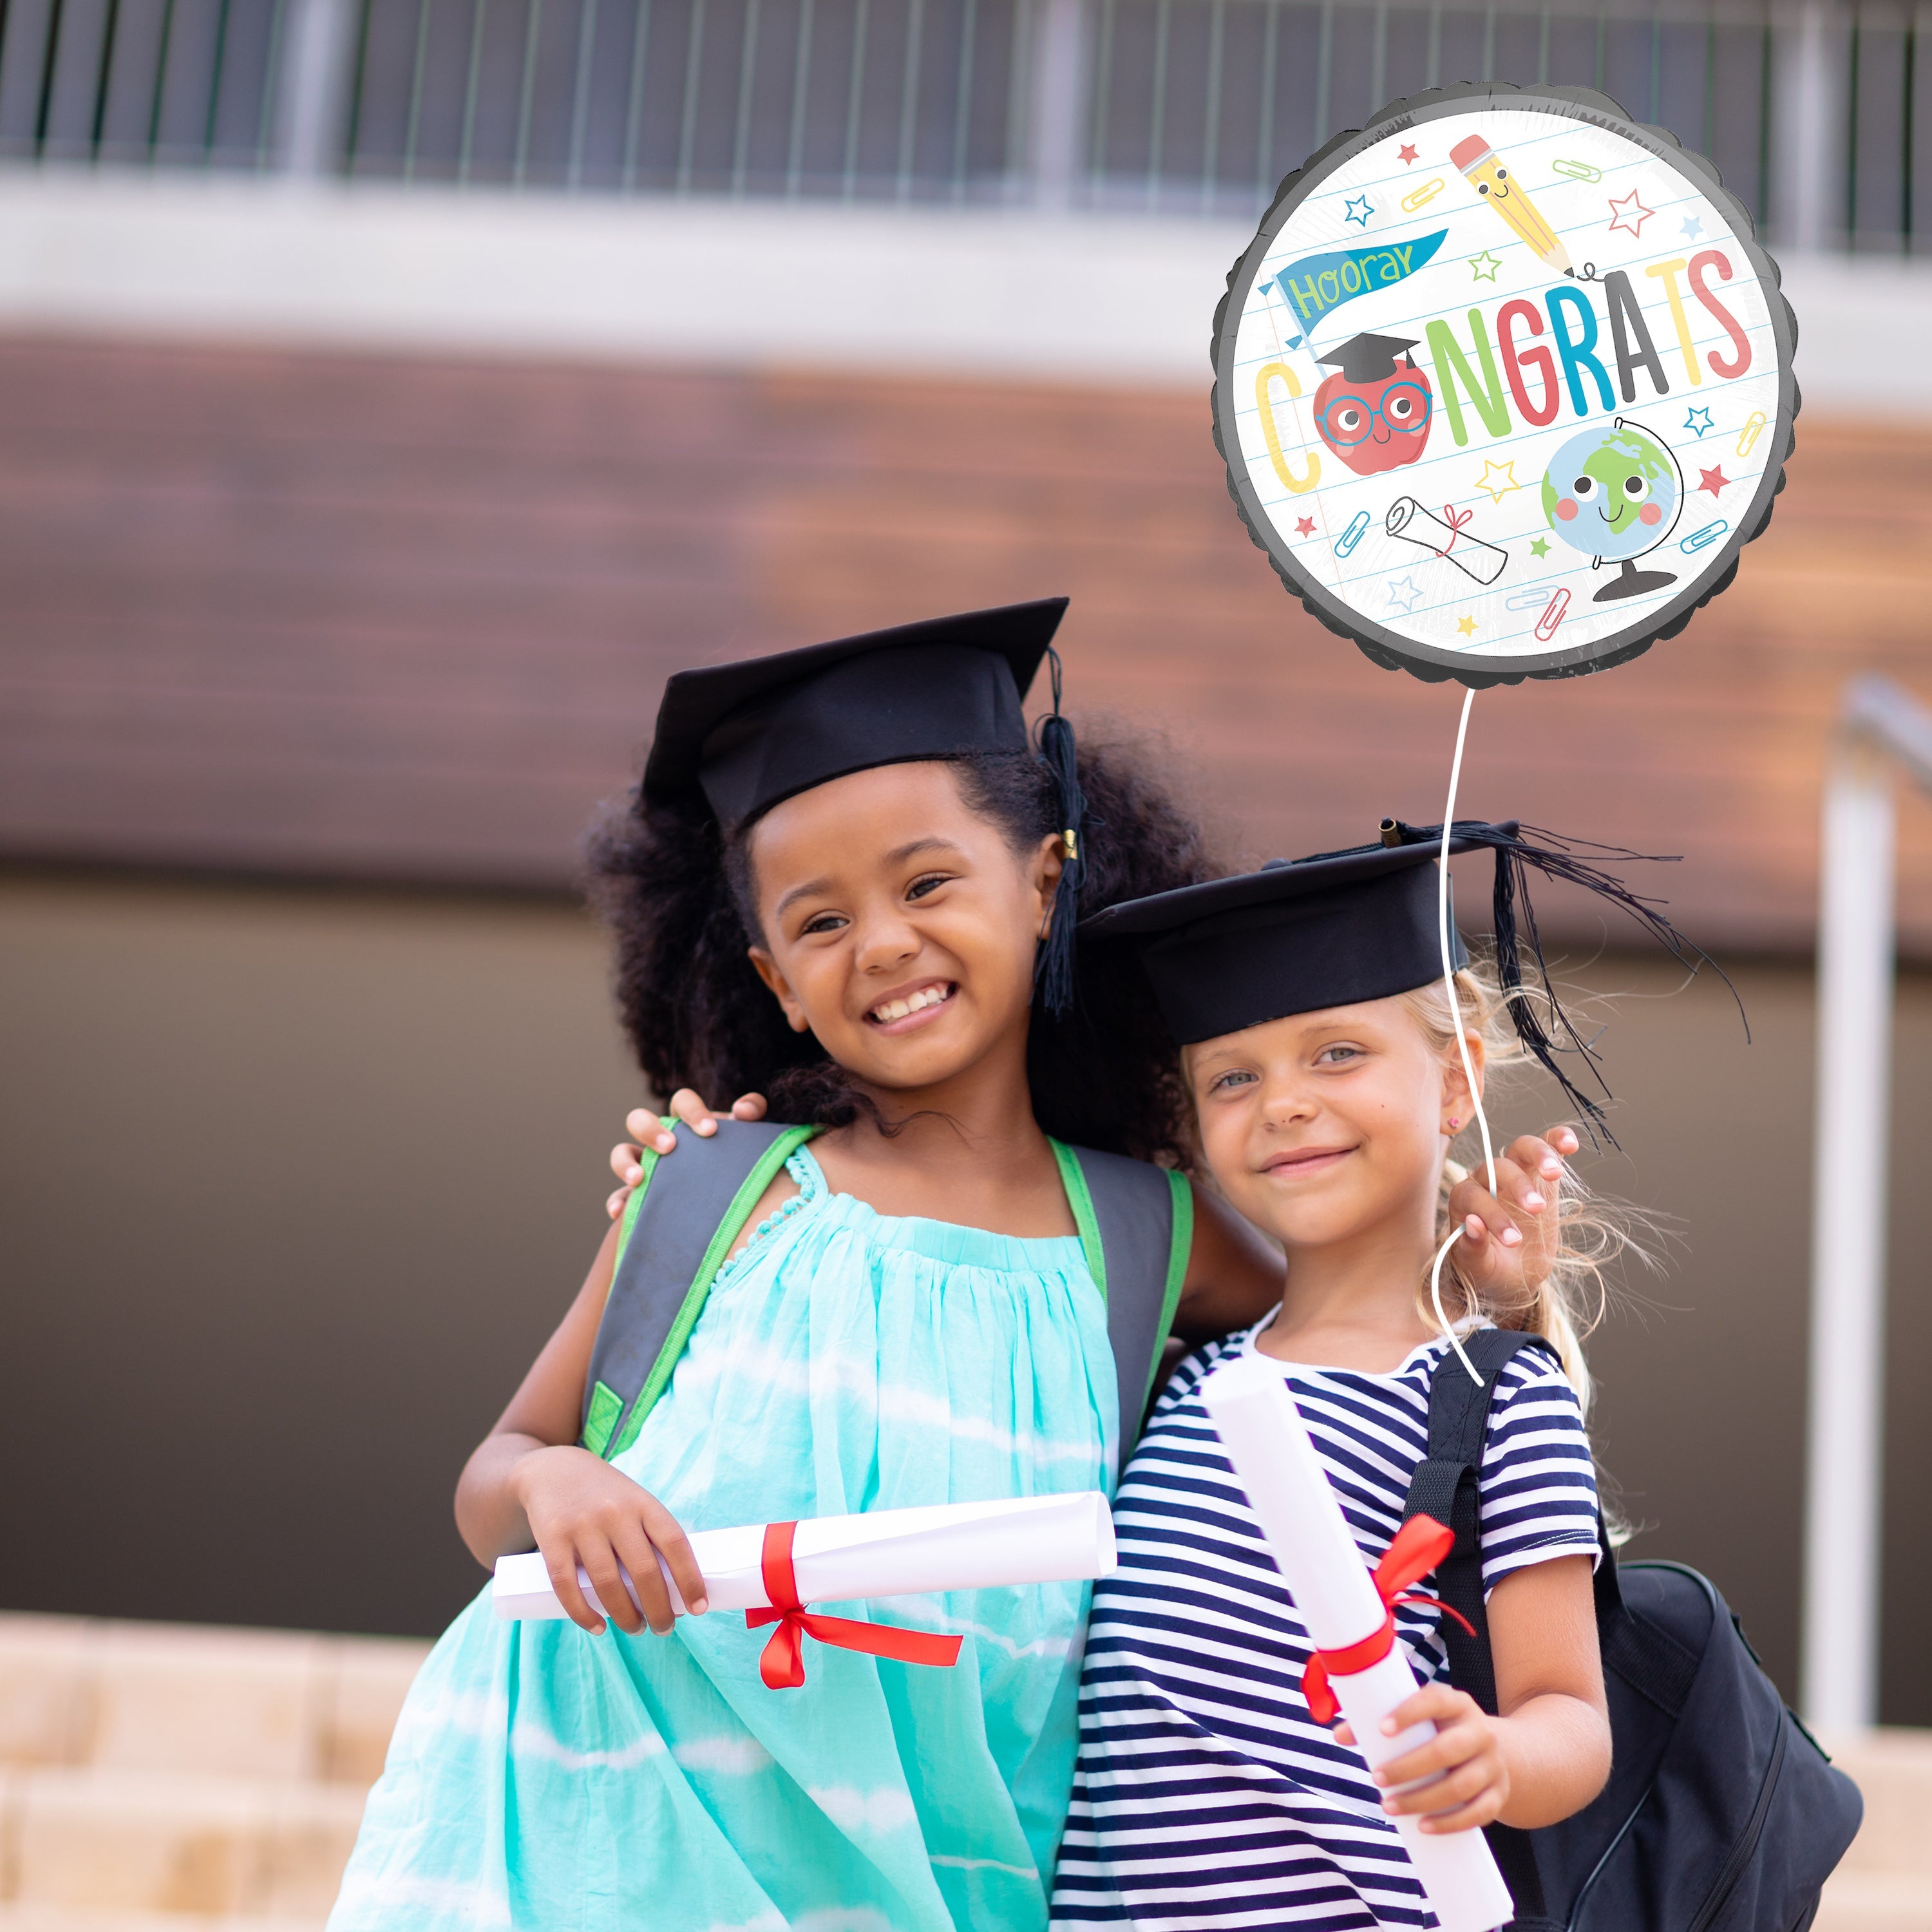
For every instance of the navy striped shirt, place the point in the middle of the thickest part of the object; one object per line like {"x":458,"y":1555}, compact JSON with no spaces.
{"x":1206,"y":1796}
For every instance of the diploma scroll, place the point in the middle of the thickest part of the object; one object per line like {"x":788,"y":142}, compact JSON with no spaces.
{"x":1289,"y":1492}
{"x":1449,"y":539}
{"x":883,"y":1553}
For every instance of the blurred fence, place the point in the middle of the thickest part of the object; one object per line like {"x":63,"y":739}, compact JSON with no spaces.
{"x":1811,"y":110}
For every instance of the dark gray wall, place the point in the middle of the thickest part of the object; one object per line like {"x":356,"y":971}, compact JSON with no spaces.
{"x":292,"y":1184}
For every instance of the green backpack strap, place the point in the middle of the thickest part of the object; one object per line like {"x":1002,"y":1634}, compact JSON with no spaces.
{"x":673,"y":1242}
{"x":1136,"y":1224}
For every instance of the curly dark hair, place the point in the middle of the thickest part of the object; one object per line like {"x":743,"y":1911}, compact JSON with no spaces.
{"x":674,"y":888}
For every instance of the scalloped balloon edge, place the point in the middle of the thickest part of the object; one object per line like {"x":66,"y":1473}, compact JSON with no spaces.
{"x":1761,"y":259}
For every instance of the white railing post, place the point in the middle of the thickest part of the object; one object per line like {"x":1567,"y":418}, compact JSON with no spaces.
{"x":1058,"y":110}
{"x":1807,"y":121}
{"x":1843,"y":1481}
{"x":312,"y":87}
{"x":1882,"y":730}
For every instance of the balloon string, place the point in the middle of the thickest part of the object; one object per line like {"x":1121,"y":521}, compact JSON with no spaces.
{"x":1462,"y":1038}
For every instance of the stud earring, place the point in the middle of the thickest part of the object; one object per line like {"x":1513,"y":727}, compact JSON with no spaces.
{"x":1453,"y":1124}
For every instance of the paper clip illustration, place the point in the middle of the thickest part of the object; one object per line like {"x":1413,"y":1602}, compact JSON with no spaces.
{"x":1580,"y":171}
{"x":1703,"y":539}
{"x":1529,"y":599}
{"x":1754,"y":429}
{"x":1547,"y":624}
{"x":1450,"y":539}
{"x":1353,"y":535}
{"x":1421,"y":196}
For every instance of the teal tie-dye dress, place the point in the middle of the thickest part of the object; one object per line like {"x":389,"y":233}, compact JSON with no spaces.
{"x":543,"y":1778}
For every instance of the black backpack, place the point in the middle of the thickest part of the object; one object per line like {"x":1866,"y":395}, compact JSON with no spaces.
{"x":1135,"y":1223}
{"x":1721,"y":1813}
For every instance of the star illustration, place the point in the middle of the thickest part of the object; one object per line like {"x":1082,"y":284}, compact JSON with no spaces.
{"x":1714,"y":480}
{"x":1693,"y":229}
{"x":1499,"y":479}
{"x":1404,"y":595}
{"x":1304,"y":526}
{"x":1629,"y":214}
{"x":1541,"y":548}
{"x":1406,"y":154}
{"x":1700,"y":421}
{"x":1478,"y":273}
{"x":1467,"y":626}
{"x":1359,"y":201}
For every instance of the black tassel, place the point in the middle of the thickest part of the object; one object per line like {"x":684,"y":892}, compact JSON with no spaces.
{"x":1053,"y":969}
{"x":1517,"y":849}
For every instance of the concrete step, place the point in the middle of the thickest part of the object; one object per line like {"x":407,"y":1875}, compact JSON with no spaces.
{"x":174,"y":1843}
{"x":1893,"y":1768}
{"x":163,"y":1778}
{"x":79,"y":1918}
{"x":258,"y":1704}
{"x":1865,"y":1901}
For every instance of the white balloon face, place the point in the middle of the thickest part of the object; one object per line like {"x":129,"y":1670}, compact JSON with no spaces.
{"x":1504,"y":384}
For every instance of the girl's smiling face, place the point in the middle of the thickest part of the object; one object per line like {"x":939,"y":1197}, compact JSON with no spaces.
{"x":896,"y":925}
{"x":1322,"y":1127}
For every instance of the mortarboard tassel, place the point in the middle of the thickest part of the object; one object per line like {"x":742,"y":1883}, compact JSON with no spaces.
{"x":1517,"y":849}
{"x":1053,"y":970}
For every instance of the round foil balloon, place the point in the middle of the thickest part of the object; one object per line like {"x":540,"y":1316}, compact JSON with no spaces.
{"x":1504,"y":384}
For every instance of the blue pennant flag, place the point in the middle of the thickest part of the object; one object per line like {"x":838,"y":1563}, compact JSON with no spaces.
{"x":1317,"y":283}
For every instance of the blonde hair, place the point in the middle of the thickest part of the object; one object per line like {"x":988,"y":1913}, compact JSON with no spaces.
{"x":1592,"y":1233}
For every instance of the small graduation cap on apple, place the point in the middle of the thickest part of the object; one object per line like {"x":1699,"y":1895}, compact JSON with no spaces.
{"x":1374,"y":411}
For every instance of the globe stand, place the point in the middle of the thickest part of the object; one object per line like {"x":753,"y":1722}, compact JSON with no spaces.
{"x":1631,"y":582}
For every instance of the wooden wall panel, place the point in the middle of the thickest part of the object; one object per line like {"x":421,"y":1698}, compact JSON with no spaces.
{"x":399,"y":618}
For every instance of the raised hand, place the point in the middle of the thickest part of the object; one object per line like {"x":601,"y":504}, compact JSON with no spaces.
{"x":1509,"y":1238}
{"x":649,"y":1129}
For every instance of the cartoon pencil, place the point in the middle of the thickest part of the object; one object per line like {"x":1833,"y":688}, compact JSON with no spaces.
{"x":1491,"y":179}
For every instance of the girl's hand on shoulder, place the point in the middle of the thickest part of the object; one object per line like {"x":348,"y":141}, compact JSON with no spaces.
{"x":1509,"y":1238}
{"x":648,"y":1129}
{"x":582,"y":1511}
{"x":1468,"y":1779}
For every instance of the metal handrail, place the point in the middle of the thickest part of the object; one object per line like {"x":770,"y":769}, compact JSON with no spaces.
{"x":1881,"y":729}
{"x":1177,"y":106}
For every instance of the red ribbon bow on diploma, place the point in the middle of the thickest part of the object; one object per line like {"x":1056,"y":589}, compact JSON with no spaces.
{"x":781,"y":1663}
{"x":1456,"y":519}
{"x":1418,"y":1547}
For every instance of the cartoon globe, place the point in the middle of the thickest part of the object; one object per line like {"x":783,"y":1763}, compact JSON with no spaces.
{"x":1614,"y":494}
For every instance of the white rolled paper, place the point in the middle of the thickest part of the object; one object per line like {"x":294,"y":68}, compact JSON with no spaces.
{"x":883,"y":1553}
{"x":1291,"y":1497}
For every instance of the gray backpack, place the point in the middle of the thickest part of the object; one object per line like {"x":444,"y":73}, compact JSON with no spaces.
{"x":1135,"y":1223}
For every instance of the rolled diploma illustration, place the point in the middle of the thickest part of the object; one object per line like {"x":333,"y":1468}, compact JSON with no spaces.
{"x":1289,"y":1492}
{"x":883,"y":1553}
{"x":1407,"y":519}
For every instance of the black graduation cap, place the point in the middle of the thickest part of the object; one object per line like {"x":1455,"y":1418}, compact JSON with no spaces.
{"x":735,"y":739}
{"x":745,"y":736}
{"x":1368,"y":358}
{"x":1342,"y":928}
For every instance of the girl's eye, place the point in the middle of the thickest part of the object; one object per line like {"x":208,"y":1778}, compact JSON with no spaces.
{"x":1337,"y":1056}
{"x":930,"y":882}
{"x":1236,"y":1077}
{"x":823,"y":922}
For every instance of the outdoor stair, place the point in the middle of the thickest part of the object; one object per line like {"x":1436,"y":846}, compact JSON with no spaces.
{"x":157,"y":1778}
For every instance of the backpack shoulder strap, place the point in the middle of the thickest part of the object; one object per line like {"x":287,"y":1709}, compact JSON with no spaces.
{"x":1136,"y":1223}
{"x":1447,"y":1485}
{"x":675,"y":1238}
